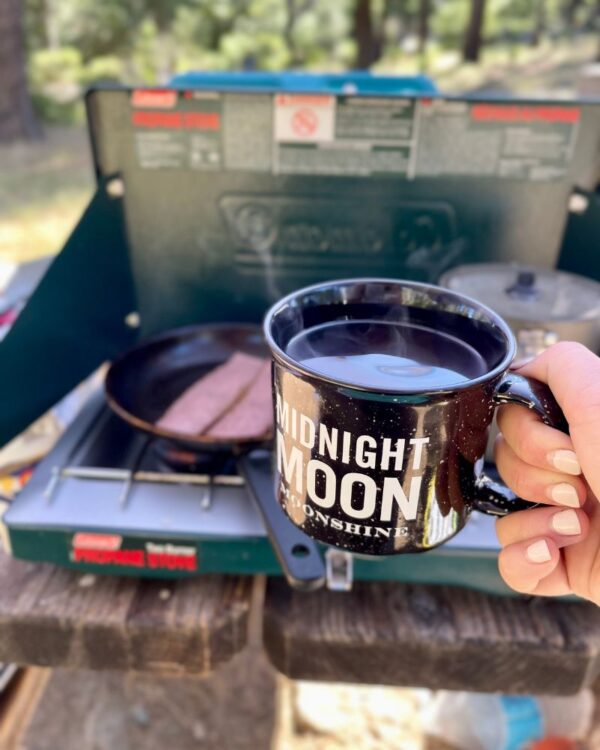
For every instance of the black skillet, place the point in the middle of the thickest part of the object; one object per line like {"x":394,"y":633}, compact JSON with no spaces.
{"x":142,"y":383}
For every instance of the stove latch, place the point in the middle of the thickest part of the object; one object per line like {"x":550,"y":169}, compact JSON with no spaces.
{"x":339,"y":570}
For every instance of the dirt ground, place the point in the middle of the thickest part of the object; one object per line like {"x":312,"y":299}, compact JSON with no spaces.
{"x":44,"y":188}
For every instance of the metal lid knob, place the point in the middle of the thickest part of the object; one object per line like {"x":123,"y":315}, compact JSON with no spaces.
{"x":524,"y":287}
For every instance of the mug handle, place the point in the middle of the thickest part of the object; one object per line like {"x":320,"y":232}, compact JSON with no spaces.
{"x":495,"y":498}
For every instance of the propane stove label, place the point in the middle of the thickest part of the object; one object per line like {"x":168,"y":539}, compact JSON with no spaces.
{"x":345,"y":136}
{"x":112,"y":550}
{"x":185,"y":137}
{"x":532,"y":142}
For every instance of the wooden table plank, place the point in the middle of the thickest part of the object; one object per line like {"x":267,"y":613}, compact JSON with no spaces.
{"x":51,"y":616}
{"x":432,"y":636}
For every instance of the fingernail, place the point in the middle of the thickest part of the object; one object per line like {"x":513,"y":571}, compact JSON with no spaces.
{"x":518,"y":363}
{"x":563,"y":494}
{"x":565,"y":461}
{"x":566,"y":522}
{"x":539,"y":552}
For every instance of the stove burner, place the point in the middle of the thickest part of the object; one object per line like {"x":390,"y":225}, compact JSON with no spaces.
{"x":170,"y":457}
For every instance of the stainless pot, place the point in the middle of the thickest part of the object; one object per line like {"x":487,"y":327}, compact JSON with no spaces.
{"x":542,"y":306}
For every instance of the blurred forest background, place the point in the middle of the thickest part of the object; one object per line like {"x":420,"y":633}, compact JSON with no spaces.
{"x":51,"y":50}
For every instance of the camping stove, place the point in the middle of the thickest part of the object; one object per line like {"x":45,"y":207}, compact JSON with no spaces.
{"x":214,"y":200}
{"x":110,"y":499}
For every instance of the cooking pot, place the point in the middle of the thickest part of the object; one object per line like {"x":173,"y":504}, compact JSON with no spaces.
{"x":542,"y":306}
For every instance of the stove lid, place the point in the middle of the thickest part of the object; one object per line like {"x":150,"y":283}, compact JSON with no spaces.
{"x":528,"y":293}
{"x":234,"y":195}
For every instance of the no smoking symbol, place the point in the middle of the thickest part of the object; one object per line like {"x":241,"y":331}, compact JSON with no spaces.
{"x":304,"y":122}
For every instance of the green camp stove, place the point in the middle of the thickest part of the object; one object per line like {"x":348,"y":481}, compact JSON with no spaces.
{"x":216,"y":196}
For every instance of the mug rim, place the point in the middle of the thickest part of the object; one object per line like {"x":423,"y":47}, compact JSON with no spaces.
{"x":283,"y":358}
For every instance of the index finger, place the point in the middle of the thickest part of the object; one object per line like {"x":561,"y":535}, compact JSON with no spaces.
{"x":573,"y":373}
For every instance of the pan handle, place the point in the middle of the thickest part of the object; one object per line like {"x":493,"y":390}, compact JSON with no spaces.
{"x":298,"y":555}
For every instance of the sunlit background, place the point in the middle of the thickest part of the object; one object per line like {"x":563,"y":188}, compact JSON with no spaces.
{"x":53,"y":49}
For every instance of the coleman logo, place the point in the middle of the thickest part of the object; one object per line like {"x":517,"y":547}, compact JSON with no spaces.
{"x":305,"y":451}
{"x":106,"y":550}
{"x":97,"y":541}
{"x":154,"y":98}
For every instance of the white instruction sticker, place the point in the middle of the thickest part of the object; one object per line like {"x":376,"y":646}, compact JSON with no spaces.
{"x":304,"y":118}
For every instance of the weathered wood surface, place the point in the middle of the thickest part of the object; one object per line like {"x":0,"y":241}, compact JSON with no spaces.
{"x":51,"y":616}
{"x":432,"y":636}
{"x":84,"y":710}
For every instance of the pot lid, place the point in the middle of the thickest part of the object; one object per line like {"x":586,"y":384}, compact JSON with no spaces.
{"x":527,"y":293}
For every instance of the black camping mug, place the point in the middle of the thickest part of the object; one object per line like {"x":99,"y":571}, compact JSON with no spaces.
{"x":380,"y":471}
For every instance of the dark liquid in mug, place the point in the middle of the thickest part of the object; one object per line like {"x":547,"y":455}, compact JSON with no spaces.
{"x":381,"y":354}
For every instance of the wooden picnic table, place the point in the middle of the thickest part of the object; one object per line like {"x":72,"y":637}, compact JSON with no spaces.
{"x":379,"y":633}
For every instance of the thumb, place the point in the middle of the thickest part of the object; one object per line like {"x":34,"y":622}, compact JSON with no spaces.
{"x":573,"y":374}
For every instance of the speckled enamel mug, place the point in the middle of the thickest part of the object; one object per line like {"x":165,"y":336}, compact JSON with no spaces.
{"x":385,"y":472}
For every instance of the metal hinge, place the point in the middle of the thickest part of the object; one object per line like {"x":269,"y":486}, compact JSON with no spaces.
{"x":340,"y":570}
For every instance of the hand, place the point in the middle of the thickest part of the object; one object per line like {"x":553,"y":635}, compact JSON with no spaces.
{"x":554,"y":550}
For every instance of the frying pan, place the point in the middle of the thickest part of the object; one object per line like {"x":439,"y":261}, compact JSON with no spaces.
{"x":143,"y":382}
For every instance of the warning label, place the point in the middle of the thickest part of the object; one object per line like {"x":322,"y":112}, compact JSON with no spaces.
{"x":375,"y":119}
{"x":354,"y":136}
{"x":186,"y":137}
{"x":510,"y":141}
{"x":304,"y":118}
{"x":344,"y":159}
{"x":350,"y":136}
{"x":248,"y":132}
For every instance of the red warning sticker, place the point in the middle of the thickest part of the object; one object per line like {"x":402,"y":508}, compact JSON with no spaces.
{"x":176,"y":120}
{"x":305,"y":122}
{"x":524,"y":113}
{"x":304,"y":118}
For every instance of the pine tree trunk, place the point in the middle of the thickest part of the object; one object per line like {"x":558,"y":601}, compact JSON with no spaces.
{"x":368,"y":41}
{"x":288,"y":33}
{"x":424,"y":12}
{"x":17,"y":119}
{"x":570,"y":11}
{"x":473,"y":34}
{"x":539,"y":27}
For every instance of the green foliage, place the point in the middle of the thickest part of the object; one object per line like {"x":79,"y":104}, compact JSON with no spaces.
{"x":48,"y":67}
{"x":55,"y":112}
{"x":106,"y":68}
{"x":57,"y":78}
{"x":449,"y":22}
{"x":73,"y":43}
{"x":98,"y":28}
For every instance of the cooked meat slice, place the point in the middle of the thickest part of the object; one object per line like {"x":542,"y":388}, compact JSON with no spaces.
{"x":252,"y":416}
{"x":211,"y":396}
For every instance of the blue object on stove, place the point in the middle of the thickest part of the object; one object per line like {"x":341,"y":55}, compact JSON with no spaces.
{"x":352,"y":82}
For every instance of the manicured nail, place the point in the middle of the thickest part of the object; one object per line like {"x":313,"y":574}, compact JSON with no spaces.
{"x":518,"y":363}
{"x":563,"y":494}
{"x":565,"y":462}
{"x":539,"y":552}
{"x":566,"y":522}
